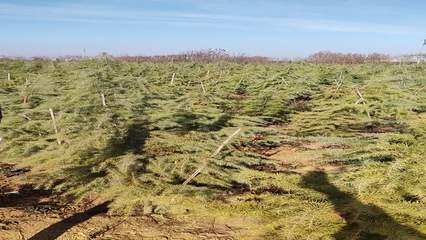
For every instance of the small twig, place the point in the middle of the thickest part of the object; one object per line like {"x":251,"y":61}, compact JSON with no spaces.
{"x":363,"y":101}
{"x":361,"y":98}
{"x":238,"y":84}
{"x":219,"y":78}
{"x":189,"y":82}
{"x":339,"y":85}
{"x":26,"y":117}
{"x":418,"y":90}
{"x":339,"y":82}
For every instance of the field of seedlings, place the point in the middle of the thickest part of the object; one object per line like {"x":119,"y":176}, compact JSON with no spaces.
{"x":109,"y":149}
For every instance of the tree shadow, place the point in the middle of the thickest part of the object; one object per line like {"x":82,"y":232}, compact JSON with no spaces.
{"x":25,"y":196}
{"x":133,"y":141}
{"x":91,"y":167}
{"x":188,"y":121}
{"x":56,"y":230}
{"x":364,"y":222}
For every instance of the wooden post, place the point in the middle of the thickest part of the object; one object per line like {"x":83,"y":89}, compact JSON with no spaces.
{"x":25,"y":91}
{"x":52,"y":115}
{"x":199,"y":170}
{"x":8,"y":76}
{"x":103,"y":100}
{"x":173,"y":79}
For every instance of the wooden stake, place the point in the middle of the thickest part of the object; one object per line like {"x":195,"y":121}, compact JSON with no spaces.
{"x":52,"y":115}
{"x":173,"y":79}
{"x":199,"y":170}
{"x":204,"y":89}
{"x":103,"y":100}
{"x":8,"y":76}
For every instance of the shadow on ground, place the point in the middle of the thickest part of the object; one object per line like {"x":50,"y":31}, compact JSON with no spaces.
{"x":25,"y":196}
{"x":133,"y":141}
{"x":364,"y":222}
{"x":188,"y":121}
{"x":56,"y":230}
{"x":92,"y":167}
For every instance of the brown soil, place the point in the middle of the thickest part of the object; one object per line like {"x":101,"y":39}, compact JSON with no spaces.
{"x":303,"y":158}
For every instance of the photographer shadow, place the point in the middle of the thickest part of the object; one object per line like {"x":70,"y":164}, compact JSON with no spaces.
{"x":364,"y":222}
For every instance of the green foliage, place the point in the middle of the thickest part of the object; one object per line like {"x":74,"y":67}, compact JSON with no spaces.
{"x":154,"y":133}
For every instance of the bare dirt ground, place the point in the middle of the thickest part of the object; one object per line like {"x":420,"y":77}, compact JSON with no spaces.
{"x":303,"y":158}
{"x":27,"y":213}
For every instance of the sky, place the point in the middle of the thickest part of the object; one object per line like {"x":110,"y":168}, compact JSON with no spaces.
{"x":274,"y":28}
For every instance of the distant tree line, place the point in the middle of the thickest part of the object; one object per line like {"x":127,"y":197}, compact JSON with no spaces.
{"x":203,"y":56}
{"x":215,"y":55}
{"x":348,"y":58}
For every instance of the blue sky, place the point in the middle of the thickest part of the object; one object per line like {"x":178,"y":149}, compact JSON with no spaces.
{"x":286,"y":28}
